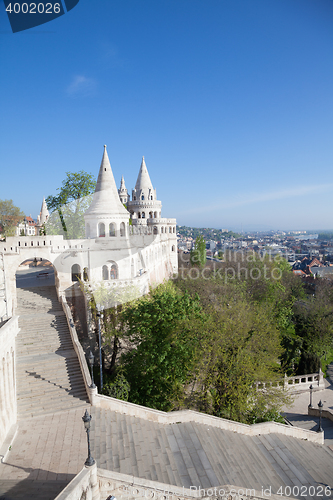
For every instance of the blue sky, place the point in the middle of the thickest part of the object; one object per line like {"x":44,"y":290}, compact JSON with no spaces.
{"x":230,"y":102}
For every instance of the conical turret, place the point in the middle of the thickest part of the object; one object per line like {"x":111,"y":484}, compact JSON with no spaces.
{"x":106,"y":200}
{"x":43,"y":214}
{"x":144,"y":204}
{"x":122,"y":191}
{"x":106,"y":215}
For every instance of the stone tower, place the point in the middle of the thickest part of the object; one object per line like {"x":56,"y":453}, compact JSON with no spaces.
{"x":144,"y":204}
{"x":106,"y":216}
{"x":123,"y":193}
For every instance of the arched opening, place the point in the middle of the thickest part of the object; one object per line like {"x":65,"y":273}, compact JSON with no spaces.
{"x":122,"y":229}
{"x":112,"y":229}
{"x":142,"y":197}
{"x":35,"y":272}
{"x":143,"y":215}
{"x":155,"y":215}
{"x":173,"y":248}
{"x":170,"y":229}
{"x":155,"y":230}
{"x":76,"y":272}
{"x":113,"y":272}
{"x":162,"y":229}
{"x":105,"y":272}
{"x":139,"y":215}
{"x":174,"y":229}
{"x":150,"y":215}
{"x":101,"y":230}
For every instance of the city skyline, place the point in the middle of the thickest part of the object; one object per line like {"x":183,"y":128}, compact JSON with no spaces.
{"x":230,"y":102}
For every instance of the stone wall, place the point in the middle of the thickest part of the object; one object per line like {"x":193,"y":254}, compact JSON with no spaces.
{"x":92,"y":483}
{"x":8,"y":405}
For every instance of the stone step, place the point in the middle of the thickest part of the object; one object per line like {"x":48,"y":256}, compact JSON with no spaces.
{"x":38,"y":490}
{"x":47,"y":381}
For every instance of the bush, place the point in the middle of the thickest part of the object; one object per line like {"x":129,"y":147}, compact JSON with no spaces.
{"x":118,"y":389}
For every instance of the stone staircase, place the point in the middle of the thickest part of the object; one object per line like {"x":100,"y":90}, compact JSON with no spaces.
{"x":48,"y":372}
{"x":192,"y":454}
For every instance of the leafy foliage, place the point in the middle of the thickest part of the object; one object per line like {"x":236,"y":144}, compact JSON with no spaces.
{"x":10,"y":216}
{"x":159,"y":327}
{"x":69,"y":206}
{"x":198,"y":254}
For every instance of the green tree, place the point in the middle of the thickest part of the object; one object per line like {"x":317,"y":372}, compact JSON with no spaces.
{"x":198,"y":254}
{"x":10,"y":216}
{"x":69,"y":206}
{"x":240,"y":345}
{"x":164,"y":349}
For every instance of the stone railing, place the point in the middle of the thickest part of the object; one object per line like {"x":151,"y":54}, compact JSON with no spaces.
{"x":174,"y":417}
{"x":298,"y":383}
{"x":325,"y":413}
{"x":78,"y":348}
{"x":101,"y":484}
{"x":8,"y":404}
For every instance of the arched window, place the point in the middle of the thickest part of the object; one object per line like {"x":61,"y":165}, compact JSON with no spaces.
{"x":134,"y":198}
{"x":151,"y":197}
{"x":85,"y":274}
{"x":105,"y":273}
{"x":143,"y":215}
{"x":139,"y":215}
{"x":174,"y":229}
{"x":155,"y":230}
{"x":142,"y":197}
{"x":155,"y":215}
{"x":76,"y":272}
{"x":122,"y":229}
{"x":88,"y":230}
{"x":150,"y":215}
{"x":113,"y":273}
{"x":112,"y":230}
{"x":162,"y":229}
{"x":170,"y":229}
{"x":101,"y":230}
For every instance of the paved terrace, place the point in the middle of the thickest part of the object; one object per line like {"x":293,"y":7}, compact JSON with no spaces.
{"x":50,"y":446}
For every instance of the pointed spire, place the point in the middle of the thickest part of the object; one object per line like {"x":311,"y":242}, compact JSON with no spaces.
{"x":143,"y":181}
{"x":44,"y":213}
{"x":122,"y":184}
{"x":106,"y":200}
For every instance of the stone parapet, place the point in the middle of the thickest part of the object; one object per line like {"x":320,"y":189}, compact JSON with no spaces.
{"x":8,"y":404}
{"x":202,"y":418}
{"x":97,"y":484}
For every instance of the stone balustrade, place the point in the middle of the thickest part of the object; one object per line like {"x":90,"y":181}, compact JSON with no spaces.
{"x":8,"y":404}
{"x":297,"y":383}
{"x":98,"y":484}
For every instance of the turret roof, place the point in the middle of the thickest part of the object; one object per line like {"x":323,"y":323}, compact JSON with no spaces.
{"x":122,"y":184}
{"x":44,"y":213}
{"x":106,"y":198}
{"x":143,"y":181}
